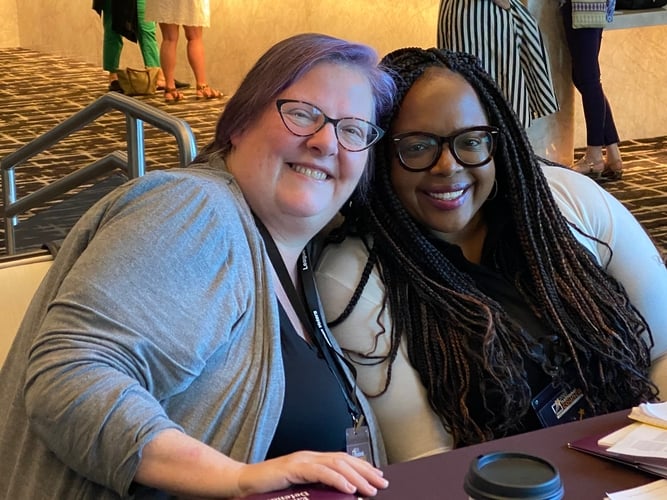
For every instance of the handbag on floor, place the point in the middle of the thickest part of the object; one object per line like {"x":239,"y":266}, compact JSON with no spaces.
{"x":639,"y":4}
{"x":138,"y":81}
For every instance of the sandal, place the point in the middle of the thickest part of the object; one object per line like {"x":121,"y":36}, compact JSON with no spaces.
{"x":613,"y":171}
{"x":591,"y":168}
{"x":172,"y":96}
{"x":206,"y":92}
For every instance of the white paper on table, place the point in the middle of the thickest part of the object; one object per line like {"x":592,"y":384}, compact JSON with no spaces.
{"x":656,"y":410}
{"x":651,"y":491}
{"x":643,"y":441}
{"x":616,"y":436}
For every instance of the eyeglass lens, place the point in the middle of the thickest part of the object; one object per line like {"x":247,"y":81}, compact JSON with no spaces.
{"x":304,"y":119}
{"x":471,"y":148}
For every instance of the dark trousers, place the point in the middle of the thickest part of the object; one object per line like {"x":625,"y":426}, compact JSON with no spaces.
{"x":584,"y":45}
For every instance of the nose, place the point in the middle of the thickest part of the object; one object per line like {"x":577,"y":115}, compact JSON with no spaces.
{"x":324,"y":140}
{"x":446,"y":165}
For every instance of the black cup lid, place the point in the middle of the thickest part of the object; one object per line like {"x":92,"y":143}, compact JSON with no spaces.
{"x":508,"y":475}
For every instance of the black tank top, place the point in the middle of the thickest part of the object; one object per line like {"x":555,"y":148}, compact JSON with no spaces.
{"x":314,"y":414}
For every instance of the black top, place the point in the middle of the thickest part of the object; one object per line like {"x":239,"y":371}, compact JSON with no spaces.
{"x":505,"y":293}
{"x":314,"y":414}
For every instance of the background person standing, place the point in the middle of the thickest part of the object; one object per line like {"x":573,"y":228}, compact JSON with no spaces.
{"x":194,"y":16}
{"x":584,"y":45}
{"x":125,"y":18}
{"x":507,"y":39}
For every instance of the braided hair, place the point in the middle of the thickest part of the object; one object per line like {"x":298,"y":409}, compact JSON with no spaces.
{"x":461,"y":342}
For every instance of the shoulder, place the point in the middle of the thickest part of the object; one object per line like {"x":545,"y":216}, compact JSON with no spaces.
{"x":184,"y":191}
{"x":341,"y":263}
{"x":593,"y":213}
{"x":169,"y":207}
{"x":581,"y":200}
{"x":182,"y":182}
{"x":338,"y":257}
{"x":338,"y":272}
{"x":569,"y":186}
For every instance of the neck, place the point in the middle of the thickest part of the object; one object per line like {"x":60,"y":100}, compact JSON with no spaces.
{"x":290,"y":257}
{"x":470,"y":240}
{"x":289,"y":246}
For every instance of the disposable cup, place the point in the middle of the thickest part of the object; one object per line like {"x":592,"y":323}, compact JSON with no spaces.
{"x":510,"y":475}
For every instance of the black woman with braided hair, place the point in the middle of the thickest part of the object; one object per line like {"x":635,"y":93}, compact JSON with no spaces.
{"x":478,"y":291}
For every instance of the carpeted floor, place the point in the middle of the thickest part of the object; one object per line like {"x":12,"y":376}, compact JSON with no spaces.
{"x":40,"y":90}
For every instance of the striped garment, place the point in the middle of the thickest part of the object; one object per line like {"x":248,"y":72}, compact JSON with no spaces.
{"x":510,"y":46}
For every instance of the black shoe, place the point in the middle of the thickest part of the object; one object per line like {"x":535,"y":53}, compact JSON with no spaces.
{"x":114,"y":86}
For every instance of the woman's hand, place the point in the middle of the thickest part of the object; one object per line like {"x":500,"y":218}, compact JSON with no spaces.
{"x":338,"y":470}
{"x":179,"y":464}
{"x":505,"y":4}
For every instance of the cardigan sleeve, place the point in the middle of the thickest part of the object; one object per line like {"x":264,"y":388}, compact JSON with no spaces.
{"x":133,"y":322}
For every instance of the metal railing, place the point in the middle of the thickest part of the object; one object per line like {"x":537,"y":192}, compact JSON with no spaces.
{"x":133,"y":161}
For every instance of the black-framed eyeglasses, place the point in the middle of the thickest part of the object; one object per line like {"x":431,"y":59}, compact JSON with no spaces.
{"x":304,"y":119}
{"x":471,"y":147}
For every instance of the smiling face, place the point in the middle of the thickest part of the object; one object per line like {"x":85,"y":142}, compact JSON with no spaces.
{"x":295,"y":185}
{"x":448,"y":197}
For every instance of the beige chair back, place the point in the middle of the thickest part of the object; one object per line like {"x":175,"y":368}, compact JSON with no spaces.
{"x":19,"y":280}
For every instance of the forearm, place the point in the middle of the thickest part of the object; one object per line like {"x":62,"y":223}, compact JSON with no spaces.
{"x":181,"y":465}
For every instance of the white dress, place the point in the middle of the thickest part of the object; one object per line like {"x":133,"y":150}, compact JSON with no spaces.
{"x":183,"y":12}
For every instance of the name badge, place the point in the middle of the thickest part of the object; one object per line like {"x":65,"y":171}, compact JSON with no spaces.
{"x":358,"y":443}
{"x":555,"y":405}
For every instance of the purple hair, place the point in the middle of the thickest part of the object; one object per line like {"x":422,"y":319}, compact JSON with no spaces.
{"x":281,"y":66}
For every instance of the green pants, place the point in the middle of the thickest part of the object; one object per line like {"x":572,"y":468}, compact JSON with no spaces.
{"x":113,"y":42}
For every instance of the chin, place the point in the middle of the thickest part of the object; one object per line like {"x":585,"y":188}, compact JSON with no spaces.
{"x":310,"y":211}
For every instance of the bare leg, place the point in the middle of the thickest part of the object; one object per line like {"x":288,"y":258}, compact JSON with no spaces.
{"x":592,"y":163}
{"x":168,"y":60}
{"x":613,"y":153}
{"x":594,"y":153}
{"x":197,"y":60}
{"x":613,"y":168}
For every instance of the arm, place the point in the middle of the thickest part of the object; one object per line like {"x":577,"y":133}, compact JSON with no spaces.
{"x":635,"y":262}
{"x":132,"y":326}
{"x":121,"y":336}
{"x":181,"y":465}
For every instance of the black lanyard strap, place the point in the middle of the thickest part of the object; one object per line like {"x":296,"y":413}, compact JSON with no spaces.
{"x":312,"y":318}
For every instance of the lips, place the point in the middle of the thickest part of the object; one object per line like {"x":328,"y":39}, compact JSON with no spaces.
{"x":313,"y":173}
{"x":448,"y":195}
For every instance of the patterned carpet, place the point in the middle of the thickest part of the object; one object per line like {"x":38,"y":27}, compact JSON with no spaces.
{"x":40,"y":90}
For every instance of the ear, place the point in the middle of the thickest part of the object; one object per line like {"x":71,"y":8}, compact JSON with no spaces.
{"x":235,"y":138}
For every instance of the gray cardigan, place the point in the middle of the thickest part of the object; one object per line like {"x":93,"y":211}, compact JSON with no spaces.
{"x":177,"y":329}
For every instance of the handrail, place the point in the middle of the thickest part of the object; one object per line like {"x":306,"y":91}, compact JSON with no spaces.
{"x":136,"y":113}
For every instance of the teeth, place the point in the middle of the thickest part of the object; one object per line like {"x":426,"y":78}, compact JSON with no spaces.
{"x":446,"y":196}
{"x":315,"y":174}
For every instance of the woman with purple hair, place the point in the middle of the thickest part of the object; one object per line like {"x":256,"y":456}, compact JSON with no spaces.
{"x":176,"y":346}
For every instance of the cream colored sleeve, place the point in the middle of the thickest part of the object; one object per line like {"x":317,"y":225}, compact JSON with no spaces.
{"x":409,"y":427}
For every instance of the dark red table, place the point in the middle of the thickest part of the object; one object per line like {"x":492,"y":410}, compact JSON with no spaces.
{"x":440,"y":477}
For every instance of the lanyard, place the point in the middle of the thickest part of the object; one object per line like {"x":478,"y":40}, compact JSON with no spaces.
{"x":310,"y":315}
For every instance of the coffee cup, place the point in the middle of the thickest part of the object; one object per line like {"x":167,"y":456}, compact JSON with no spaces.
{"x":509,"y":475}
